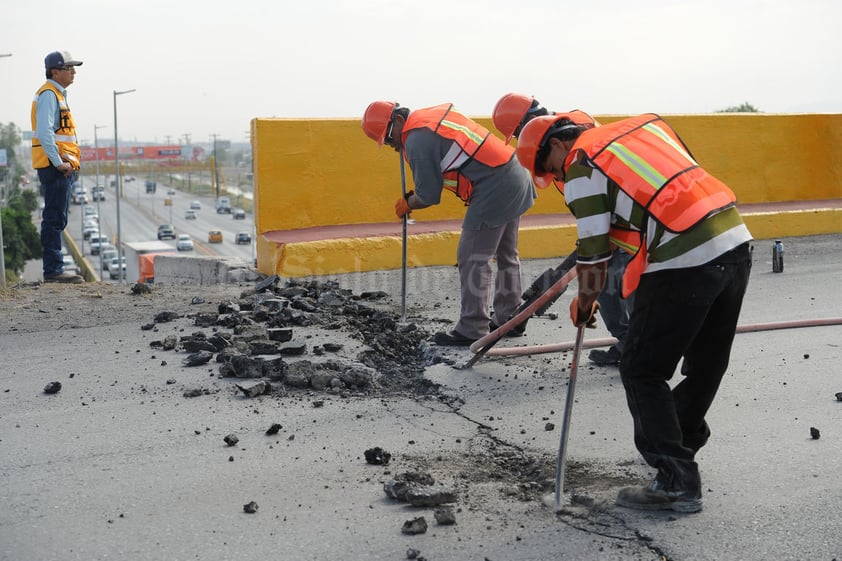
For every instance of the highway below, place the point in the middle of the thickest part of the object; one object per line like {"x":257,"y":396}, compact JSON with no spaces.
{"x":142,"y":212}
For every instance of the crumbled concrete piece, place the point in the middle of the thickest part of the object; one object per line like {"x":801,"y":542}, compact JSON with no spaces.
{"x":166,"y":316}
{"x":445,"y":516}
{"x":250,"y":507}
{"x":377,"y":456}
{"x":279,"y":334}
{"x":193,"y":392}
{"x":196,"y":345}
{"x":197,"y":359}
{"x":415,"y":526}
{"x":197,"y":300}
{"x":231,"y":440}
{"x":549,"y":427}
{"x":274,"y":429}
{"x":170,"y":342}
{"x":398,"y":487}
{"x":814,"y":433}
{"x":332,"y":347}
{"x":255,"y":390}
{"x":268,"y":282}
{"x":839,"y":396}
{"x":428,"y":495}
{"x":52,"y":387}
{"x":293,"y":349}
{"x":141,"y":288}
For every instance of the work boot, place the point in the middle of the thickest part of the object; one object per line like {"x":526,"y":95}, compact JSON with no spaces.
{"x":611,"y":357}
{"x":65,"y":277}
{"x":518,"y":331}
{"x":654,"y":497}
{"x":452,"y":338}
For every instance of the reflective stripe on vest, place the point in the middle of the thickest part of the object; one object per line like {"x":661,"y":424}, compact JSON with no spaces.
{"x":472,"y":141}
{"x":65,"y":134}
{"x":649,"y":162}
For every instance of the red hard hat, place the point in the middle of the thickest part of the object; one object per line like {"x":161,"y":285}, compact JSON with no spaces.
{"x":376,"y":120}
{"x":529,"y":143}
{"x":509,"y":113}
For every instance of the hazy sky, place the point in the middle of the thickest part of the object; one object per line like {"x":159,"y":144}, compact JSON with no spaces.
{"x":208,"y":67}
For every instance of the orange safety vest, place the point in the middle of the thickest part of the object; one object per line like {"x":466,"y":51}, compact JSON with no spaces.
{"x":474,"y":142}
{"x":65,"y":134}
{"x":651,"y":164}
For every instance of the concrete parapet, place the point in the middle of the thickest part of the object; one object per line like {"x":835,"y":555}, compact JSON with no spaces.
{"x":201,"y":270}
{"x":324,"y":192}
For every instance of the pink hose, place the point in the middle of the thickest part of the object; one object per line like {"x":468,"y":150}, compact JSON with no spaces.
{"x":608,"y":341}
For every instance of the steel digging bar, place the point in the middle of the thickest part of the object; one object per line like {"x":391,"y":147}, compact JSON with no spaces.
{"x":565,"y":425}
{"x":403,"y":243}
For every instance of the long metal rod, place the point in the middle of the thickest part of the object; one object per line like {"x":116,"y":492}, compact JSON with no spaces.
{"x":565,"y":425}
{"x":403,"y":242}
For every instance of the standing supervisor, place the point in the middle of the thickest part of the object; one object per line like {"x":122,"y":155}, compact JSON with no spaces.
{"x":56,"y":156}
{"x":446,"y":150}
{"x":690,"y":272}
{"x":510,"y":115}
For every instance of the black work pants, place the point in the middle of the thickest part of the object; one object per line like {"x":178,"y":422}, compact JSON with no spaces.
{"x":690,"y":313}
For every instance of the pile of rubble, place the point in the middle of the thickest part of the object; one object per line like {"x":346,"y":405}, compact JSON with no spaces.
{"x":254,"y":337}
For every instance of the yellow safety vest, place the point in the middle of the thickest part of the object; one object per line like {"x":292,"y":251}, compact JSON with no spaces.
{"x":65,"y":133}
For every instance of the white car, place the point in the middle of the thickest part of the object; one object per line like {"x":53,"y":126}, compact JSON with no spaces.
{"x":90,"y":228}
{"x":107,"y":254}
{"x":97,"y":242}
{"x":114,"y":268}
{"x":184,"y":243}
{"x":190,"y":214}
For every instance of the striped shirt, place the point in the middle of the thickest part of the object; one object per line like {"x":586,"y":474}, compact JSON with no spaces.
{"x":598,"y":202}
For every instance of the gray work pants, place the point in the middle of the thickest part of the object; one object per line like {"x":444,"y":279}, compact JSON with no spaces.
{"x":476,"y":250}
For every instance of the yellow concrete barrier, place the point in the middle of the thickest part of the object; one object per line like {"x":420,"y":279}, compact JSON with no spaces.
{"x":319,"y":182}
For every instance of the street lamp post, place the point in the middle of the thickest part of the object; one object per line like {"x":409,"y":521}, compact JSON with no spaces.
{"x":96,"y":189}
{"x":119,"y":187}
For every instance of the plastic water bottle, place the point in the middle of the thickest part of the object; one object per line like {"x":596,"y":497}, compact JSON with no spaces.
{"x":778,"y":257}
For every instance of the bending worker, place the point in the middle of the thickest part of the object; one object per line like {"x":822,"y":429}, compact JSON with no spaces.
{"x":511,"y":113}
{"x":446,"y":150}
{"x":691,"y":273}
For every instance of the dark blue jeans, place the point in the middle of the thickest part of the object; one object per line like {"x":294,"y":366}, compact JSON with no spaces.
{"x":690,"y":313}
{"x":614,"y":309}
{"x":54,"y":219}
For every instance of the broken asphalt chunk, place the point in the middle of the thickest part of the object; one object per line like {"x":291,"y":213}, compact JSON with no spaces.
{"x":255,"y":390}
{"x":52,"y":387}
{"x":814,"y":433}
{"x":444,"y":516}
{"x":377,"y":456}
{"x":250,"y":507}
{"x":414,"y":526}
{"x":166,"y":316}
{"x":231,"y":439}
{"x":197,"y":359}
{"x":274,"y":429}
{"x":429,"y":495}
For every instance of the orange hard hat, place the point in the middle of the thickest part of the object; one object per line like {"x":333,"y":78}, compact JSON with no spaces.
{"x":509,"y":113}
{"x":376,"y":120}
{"x":531,"y":140}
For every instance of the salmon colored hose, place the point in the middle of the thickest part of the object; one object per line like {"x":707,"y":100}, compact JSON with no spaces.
{"x":608,"y":341}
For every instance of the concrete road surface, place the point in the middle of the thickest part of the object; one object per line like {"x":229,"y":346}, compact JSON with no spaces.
{"x":119,"y":465}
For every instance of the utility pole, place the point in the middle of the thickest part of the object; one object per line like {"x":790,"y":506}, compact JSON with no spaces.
{"x":215,"y":166}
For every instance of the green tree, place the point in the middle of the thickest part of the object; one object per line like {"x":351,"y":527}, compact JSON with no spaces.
{"x":10,"y":139}
{"x":743,"y":108}
{"x":21,"y":240}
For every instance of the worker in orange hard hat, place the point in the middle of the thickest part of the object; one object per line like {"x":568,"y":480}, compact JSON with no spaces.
{"x":448,"y":151}
{"x":511,"y":113}
{"x":691,"y":272}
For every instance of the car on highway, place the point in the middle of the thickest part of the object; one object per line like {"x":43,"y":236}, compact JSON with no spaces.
{"x":242,"y":238}
{"x":171,"y":192}
{"x":98,"y":193}
{"x":215,"y":236}
{"x":98,"y":242}
{"x":90,"y":228}
{"x":184,"y":242}
{"x":166,"y":231}
{"x":195,"y":205}
{"x":90,"y":213}
{"x":239,"y":214}
{"x":114,"y":267}
{"x":189,"y":214}
{"x":223,"y":205}
{"x":107,"y":254}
